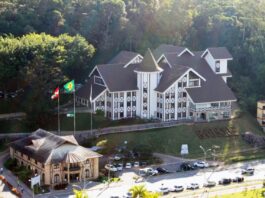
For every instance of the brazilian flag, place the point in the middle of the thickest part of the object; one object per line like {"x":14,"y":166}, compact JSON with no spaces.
{"x":69,"y":87}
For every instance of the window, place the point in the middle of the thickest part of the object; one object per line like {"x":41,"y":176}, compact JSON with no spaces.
{"x":87,"y":173}
{"x":56,"y":178}
{"x":98,"y":80}
{"x":217,"y":66}
{"x":56,"y":166}
{"x":179,"y":84}
{"x":215,"y":105}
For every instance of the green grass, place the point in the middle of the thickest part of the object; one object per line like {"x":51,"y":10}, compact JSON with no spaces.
{"x":257,"y":193}
{"x":169,"y":140}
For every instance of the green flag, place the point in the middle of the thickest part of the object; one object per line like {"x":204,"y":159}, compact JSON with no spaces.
{"x":69,"y":87}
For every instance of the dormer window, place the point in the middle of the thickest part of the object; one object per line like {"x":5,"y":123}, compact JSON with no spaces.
{"x":217,"y":66}
{"x":98,"y":80}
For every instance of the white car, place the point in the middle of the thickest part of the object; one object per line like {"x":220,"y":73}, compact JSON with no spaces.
{"x":163,"y":190}
{"x":117,"y":157}
{"x":128,"y":165}
{"x":128,"y":195}
{"x":177,"y":188}
{"x":148,"y":171}
{"x":201,"y":164}
{"x":119,"y":167}
{"x":193,"y":186}
{"x":248,"y":171}
{"x":110,"y":167}
{"x":136,"y":164}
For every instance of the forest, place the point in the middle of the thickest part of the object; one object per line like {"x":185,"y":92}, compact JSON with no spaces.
{"x":44,"y":42}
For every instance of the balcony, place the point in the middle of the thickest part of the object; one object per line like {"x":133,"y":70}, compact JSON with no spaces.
{"x":73,"y":168}
{"x":198,"y":109}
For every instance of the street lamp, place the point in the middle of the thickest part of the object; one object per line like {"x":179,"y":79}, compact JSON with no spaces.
{"x":204,"y":152}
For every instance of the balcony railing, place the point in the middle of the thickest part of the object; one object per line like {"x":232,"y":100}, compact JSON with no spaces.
{"x":193,"y":108}
{"x":74,"y":168}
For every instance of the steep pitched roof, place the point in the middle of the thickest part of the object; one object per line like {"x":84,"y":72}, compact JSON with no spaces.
{"x":46,"y":147}
{"x":169,"y":49}
{"x":119,"y":78}
{"x":220,"y":53}
{"x":148,"y":64}
{"x":123,"y":57}
{"x":84,"y":91}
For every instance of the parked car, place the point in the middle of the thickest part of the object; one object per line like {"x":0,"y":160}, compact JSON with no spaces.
{"x":177,"y":188}
{"x":193,"y":186}
{"x":136,"y":164}
{"x":128,"y":165}
{"x":186,"y":166}
{"x":148,"y":172}
{"x":128,"y":195}
{"x":119,"y":166}
{"x":117,"y":157}
{"x":164,"y":190}
{"x":248,"y":171}
{"x":209,"y":184}
{"x":111,"y":167}
{"x":238,"y":179}
{"x":162,"y":170}
{"x":225,"y":181}
{"x":201,"y":164}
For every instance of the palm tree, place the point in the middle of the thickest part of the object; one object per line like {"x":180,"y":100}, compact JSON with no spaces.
{"x":138,"y":191}
{"x":80,"y":193}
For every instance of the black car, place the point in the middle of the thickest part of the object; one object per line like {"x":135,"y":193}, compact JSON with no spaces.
{"x":225,"y":181}
{"x":186,"y":166}
{"x":162,"y":170}
{"x":238,"y":179}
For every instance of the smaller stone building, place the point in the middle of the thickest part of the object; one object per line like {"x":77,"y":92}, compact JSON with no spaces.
{"x":57,"y":159}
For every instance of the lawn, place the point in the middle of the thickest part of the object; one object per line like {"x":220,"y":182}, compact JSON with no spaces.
{"x":257,"y":193}
{"x":169,"y":140}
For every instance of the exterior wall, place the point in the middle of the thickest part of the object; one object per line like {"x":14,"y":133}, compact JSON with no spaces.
{"x":261,"y":113}
{"x":211,"y":61}
{"x":52,"y":174}
{"x":210,"y":111}
{"x":146,"y":83}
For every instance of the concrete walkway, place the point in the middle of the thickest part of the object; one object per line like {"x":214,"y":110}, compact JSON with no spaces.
{"x":11,"y":178}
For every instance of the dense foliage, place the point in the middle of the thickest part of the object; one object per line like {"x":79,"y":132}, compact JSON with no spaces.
{"x":113,"y":25}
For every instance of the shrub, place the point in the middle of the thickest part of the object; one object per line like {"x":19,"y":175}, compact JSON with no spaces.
{"x":61,"y":186}
{"x":10,"y":164}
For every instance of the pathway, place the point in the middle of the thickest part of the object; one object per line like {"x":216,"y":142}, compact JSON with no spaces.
{"x":12,"y":178}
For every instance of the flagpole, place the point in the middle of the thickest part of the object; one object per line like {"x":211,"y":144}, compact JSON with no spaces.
{"x":90,"y":98}
{"x":59,"y":129}
{"x":74,"y":111}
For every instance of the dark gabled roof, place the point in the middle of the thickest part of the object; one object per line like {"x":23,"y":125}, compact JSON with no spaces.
{"x":84,"y":92}
{"x":123,"y":57}
{"x":167,"y":49}
{"x":148,"y":64}
{"x":46,"y":147}
{"x":213,"y":89}
{"x":118,"y":78}
{"x":169,"y":76}
{"x":220,"y":53}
